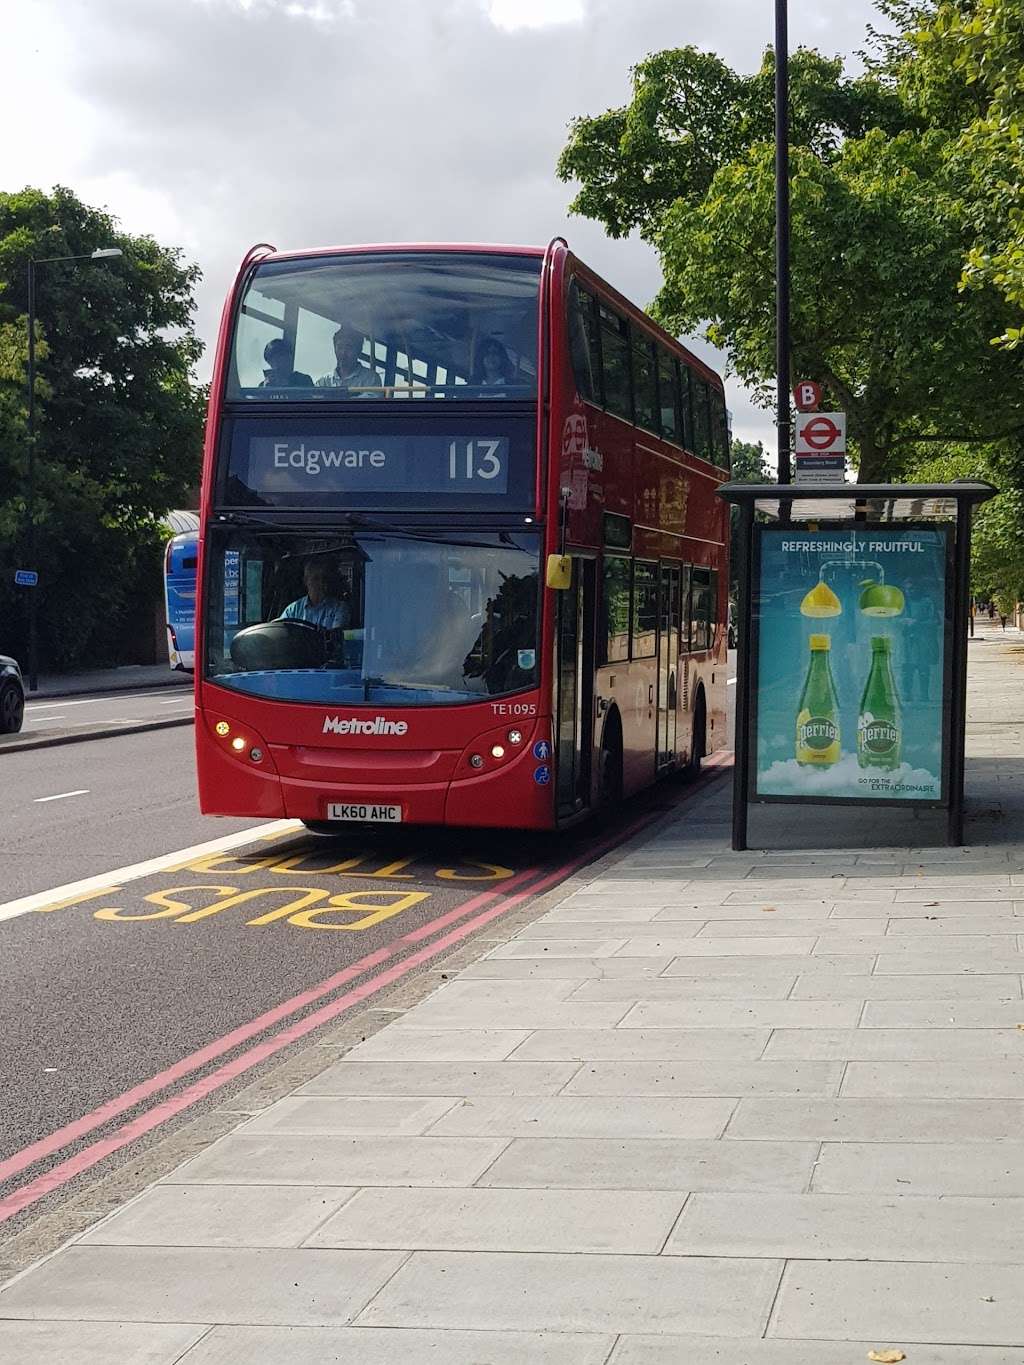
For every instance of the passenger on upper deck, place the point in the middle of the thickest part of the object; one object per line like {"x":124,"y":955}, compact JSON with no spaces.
{"x":494,"y":367}
{"x":350,"y":372}
{"x":323,"y":606}
{"x":279,"y":373}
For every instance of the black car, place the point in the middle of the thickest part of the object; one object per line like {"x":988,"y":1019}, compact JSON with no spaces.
{"x":12,"y":696}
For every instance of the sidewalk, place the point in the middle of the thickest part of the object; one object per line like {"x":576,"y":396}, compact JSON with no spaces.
{"x":128,"y":678}
{"x":751,"y":1109}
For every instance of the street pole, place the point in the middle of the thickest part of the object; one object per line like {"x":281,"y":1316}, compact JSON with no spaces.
{"x":30,"y":492}
{"x":782,"y":338}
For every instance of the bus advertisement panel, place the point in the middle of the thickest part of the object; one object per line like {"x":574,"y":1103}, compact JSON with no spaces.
{"x":852,"y":632}
{"x":427,"y":595}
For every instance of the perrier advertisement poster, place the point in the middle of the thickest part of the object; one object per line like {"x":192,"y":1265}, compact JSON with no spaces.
{"x":849,"y":652}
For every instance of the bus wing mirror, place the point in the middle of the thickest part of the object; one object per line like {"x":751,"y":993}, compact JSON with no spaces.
{"x":559,"y":572}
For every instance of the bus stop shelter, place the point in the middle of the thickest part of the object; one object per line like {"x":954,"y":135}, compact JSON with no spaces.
{"x":853,"y":606}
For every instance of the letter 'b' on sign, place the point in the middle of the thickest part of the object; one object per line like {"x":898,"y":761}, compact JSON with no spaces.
{"x":807,"y":395}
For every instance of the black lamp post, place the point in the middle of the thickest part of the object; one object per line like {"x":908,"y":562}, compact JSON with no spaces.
{"x":100,"y":254}
{"x":782,"y":342}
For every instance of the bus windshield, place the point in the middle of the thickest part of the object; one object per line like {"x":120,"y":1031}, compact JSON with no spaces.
{"x":400,"y":617}
{"x":388,"y":326}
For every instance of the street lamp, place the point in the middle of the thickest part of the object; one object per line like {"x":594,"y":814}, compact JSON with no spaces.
{"x":102,"y":253}
{"x":782,"y":342}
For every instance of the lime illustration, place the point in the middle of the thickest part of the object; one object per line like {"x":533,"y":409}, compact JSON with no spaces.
{"x":820,"y":601}
{"x":881,"y":599}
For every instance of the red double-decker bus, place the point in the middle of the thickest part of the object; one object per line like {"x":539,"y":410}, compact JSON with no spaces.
{"x":461,"y":556}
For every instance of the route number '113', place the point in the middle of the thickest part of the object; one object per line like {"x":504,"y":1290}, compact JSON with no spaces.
{"x":477,"y":459}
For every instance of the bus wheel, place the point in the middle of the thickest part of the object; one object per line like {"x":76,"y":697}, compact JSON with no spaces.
{"x":609,"y":774}
{"x":699,"y":746}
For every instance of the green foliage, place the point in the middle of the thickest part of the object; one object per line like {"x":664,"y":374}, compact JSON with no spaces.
{"x":118,"y":422}
{"x":880,"y":233}
{"x":749,"y":464}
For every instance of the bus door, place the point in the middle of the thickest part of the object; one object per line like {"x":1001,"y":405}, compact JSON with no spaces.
{"x":668,"y":662}
{"x":574,"y":681}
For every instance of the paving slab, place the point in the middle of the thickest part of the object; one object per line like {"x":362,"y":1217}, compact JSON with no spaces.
{"x":383,"y":1346}
{"x":900,"y":1302}
{"x":689,"y":991}
{"x":847,"y":1228}
{"x":944,"y":1014}
{"x":584,"y":1221}
{"x":637,"y":1044}
{"x":848,"y":964}
{"x":280,"y":1159}
{"x":96,"y":1343}
{"x":790,"y":1015}
{"x":441,"y":1078}
{"x":398,"y":1044}
{"x":893,"y":1044}
{"x":582,"y":1116}
{"x":944,"y":985}
{"x":706,"y":1078}
{"x":652,"y":1164}
{"x":562,"y":1293}
{"x":665,"y":1350}
{"x":853,"y":1120}
{"x":989,"y":1169}
{"x":158,"y":1284}
{"x":540,"y":968}
{"x":983,"y":1080}
{"x":226,"y":1216}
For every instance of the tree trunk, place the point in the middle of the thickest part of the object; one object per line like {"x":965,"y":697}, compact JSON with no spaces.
{"x":874,"y":462}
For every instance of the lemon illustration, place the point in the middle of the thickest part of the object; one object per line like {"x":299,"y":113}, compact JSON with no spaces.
{"x":820,"y":601}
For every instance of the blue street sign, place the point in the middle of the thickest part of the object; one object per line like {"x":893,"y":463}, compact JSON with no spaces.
{"x":542,"y":749}
{"x":26,"y":578}
{"x":542,"y":776}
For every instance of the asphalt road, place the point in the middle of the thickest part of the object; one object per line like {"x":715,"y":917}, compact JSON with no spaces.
{"x":78,"y":715}
{"x":80,"y":809}
{"x":107,"y":995}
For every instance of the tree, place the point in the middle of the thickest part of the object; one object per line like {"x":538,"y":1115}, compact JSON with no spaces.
{"x":879,"y":241}
{"x":118,"y":420}
{"x":976,"y":48}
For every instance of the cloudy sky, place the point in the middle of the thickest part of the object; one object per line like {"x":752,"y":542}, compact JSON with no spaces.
{"x":213,"y":124}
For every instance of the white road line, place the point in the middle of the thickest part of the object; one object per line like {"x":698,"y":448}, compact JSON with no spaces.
{"x":42,"y":899}
{"x":82,"y":791}
{"x":179,"y":701}
{"x":89,"y":701}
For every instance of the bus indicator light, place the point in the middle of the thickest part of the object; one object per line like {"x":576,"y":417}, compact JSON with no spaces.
{"x":223,"y":728}
{"x":515,"y":736}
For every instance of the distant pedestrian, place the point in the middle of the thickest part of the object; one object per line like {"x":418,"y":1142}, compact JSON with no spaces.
{"x":1002,"y":618}
{"x":991,"y":611}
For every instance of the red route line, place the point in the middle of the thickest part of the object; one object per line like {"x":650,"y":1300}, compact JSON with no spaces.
{"x":90,"y":1156}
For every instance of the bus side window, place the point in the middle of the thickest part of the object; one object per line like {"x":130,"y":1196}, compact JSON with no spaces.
{"x":615,"y":363}
{"x":615,"y":605}
{"x":686,"y":404}
{"x":668,"y":395}
{"x":685,"y":624}
{"x":645,"y":610}
{"x":700,"y":609}
{"x":719,"y":430}
{"x":583,"y":344}
{"x":645,"y":382}
{"x":701,"y":418}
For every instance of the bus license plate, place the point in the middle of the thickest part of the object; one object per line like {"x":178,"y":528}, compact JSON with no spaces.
{"x":385,"y":815}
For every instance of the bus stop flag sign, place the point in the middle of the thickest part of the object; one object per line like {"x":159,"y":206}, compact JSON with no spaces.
{"x":820,"y":447}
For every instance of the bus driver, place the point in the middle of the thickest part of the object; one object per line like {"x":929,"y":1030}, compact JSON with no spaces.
{"x":322,"y":606}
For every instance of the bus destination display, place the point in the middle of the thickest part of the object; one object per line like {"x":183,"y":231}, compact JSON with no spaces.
{"x":378,"y":463}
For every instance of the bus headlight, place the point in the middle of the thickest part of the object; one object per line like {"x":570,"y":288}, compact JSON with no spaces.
{"x":515,"y":736}
{"x":497,"y":751}
{"x":238,"y":744}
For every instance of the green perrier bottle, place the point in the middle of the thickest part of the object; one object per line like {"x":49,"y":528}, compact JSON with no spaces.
{"x":879,"y":733}
{"x":817,"y":720}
